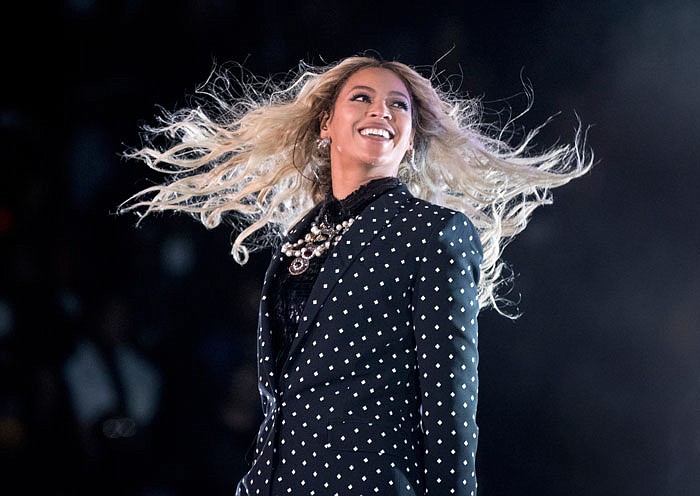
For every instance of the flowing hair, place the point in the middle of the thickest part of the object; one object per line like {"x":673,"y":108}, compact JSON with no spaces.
{"x":249,"y":155}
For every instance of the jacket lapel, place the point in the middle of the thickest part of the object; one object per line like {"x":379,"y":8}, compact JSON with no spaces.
{"x":373,"y":219}
{"x":264,"y":347}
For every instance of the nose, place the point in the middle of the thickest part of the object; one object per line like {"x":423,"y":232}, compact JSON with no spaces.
{"x":379,"y":109}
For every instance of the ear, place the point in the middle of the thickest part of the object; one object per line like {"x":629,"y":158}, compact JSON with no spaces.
{"x":323,"y":122}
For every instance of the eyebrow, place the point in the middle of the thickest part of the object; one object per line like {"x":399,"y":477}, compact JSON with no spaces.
{"x":368,"y":88}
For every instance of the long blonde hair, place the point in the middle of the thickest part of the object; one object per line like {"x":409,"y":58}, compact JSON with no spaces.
{"x":253,"y":160}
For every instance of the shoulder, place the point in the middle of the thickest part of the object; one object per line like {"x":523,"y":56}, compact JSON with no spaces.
{"x":449,"y":228}
{"x":439,"y":216}
{"x":427,"y":219}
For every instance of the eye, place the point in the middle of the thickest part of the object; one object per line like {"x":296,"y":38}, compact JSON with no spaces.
{"x":361,"y":97}
{"x":401,"y":104}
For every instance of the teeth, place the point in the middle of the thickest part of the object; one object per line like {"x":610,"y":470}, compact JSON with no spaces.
{"x":375,"y":132}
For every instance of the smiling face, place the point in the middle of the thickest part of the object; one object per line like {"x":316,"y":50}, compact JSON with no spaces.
{"x":370,"y":128}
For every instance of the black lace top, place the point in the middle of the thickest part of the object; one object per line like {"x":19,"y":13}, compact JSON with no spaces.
{"x":291,"y":292}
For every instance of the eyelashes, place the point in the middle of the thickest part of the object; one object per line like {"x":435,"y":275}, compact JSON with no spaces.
{"x":365,"y":98}
{"x":361,"y":97}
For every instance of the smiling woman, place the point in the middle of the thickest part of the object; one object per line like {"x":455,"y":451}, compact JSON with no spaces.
{"x":369,"y":128}
{"x":388,"y":207}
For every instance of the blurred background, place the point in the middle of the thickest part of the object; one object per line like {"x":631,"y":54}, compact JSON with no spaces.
{"x":127,"y":354}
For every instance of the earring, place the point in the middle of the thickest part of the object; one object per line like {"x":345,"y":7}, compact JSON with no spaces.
{"x":412,"y":160}
{"x":323,"y":143}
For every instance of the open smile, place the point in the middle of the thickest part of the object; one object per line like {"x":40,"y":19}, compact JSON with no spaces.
{"x":378,"y":132}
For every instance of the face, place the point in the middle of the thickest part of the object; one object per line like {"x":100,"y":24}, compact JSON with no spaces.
{"x":370,"y":124}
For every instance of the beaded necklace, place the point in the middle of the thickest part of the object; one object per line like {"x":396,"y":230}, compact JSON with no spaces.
{"x":322,"y":237}
{"x":328,"y":228}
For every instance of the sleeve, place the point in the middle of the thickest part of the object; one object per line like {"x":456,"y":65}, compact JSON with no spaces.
{"x":445,"y":309}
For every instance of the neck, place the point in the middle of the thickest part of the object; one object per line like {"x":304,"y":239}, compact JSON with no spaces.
{"x":343,"y":183}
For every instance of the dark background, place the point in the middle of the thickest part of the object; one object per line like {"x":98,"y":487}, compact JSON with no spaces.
{"x":127,"y":353}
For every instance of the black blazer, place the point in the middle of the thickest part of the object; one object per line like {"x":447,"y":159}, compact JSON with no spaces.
{"x":379,"y":391}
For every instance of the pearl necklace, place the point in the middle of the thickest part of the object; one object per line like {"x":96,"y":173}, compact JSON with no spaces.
{"x":320,"y":239}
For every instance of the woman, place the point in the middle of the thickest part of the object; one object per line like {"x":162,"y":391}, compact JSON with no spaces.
{"x":367,"y":336}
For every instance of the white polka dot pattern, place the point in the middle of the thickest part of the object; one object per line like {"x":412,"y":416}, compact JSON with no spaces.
{"x":379,"y":391}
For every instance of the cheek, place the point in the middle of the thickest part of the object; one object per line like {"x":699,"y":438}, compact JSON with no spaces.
{"x":407,"y":132}
{"x":342,"y":126}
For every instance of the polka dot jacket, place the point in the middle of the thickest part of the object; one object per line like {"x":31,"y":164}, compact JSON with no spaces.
{"x":379,"y":392}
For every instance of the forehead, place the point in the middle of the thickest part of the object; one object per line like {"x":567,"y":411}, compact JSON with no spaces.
{"x":378,"y":79}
